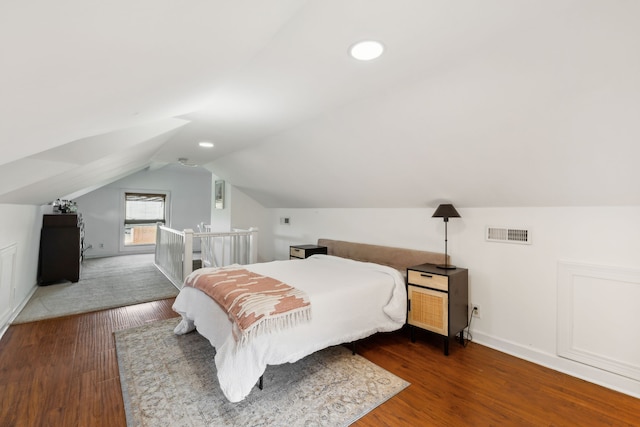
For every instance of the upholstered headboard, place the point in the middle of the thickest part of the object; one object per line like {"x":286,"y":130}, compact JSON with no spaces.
{"x":397,"y":258}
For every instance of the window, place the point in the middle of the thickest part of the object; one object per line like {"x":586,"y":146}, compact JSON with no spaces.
{"x":142,"y":211}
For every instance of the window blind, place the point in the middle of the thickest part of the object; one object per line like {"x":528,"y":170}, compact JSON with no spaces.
{"x":144,"y":208}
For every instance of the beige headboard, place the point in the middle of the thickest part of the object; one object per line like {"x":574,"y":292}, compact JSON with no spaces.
{"x":397,"y":258}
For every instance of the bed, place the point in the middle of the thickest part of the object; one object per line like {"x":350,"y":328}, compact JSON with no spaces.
{"x":355,"y":290}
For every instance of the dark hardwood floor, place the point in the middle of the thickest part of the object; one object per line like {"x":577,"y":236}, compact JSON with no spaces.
{"x":64,"y":372}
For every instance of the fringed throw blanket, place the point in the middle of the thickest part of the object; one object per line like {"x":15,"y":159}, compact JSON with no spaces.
{"x":255,"y":304}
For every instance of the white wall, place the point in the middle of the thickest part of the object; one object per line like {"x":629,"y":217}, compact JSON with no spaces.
{"x":515,"y":285}
{"x":20,"y":225}
{"x":190,"y":195}
{"x":247,"y":213}
{"x":241,"y":211}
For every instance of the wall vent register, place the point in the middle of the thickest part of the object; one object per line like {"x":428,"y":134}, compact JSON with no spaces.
{"x":508,"y":235}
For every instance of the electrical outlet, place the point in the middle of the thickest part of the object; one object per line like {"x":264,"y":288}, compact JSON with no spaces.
{"x":475,"y":311}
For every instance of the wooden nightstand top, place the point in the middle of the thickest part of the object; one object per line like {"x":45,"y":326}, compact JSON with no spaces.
{"x":307,"y":247}
{"x":434,"y":269}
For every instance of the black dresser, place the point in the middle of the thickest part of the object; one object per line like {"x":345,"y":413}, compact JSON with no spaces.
{"x":61,"y":248}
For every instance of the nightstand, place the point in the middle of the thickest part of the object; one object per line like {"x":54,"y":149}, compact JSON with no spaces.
{"x":438,"y":301}
{"x":305,"y":251}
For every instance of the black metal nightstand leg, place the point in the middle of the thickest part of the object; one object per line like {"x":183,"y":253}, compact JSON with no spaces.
{"x":446,"y":346}
{"x":413,"y":333}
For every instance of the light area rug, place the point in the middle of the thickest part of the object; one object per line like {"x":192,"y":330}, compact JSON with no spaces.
{"x":170,"y":380}
{"x":104,"y":283}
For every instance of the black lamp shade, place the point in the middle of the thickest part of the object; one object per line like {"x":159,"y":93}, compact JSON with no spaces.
{"x":446,"y":211}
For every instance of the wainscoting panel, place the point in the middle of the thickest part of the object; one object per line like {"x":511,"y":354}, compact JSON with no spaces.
{"x":7,"y":268}
{"x":598,"y":317}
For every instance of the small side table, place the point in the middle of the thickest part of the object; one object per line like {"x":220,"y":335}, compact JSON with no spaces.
{"x":305,"y":251}
{"x":438,"y":301}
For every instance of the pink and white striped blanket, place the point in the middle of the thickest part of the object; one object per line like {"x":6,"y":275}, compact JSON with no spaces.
{"x":255,"y":304}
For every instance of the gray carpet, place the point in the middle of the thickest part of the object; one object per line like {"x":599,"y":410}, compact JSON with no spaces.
{"x":170,"y":380}
{"x":104,"y":283}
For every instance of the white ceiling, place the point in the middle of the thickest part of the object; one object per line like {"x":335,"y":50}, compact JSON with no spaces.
{"x":482,"y":103}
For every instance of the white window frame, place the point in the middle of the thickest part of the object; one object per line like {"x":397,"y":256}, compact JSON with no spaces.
{"x":167,"y":216}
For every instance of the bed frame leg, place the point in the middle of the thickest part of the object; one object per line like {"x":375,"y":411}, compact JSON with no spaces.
{"x":261,"y":382}
{"x":353,"y":347}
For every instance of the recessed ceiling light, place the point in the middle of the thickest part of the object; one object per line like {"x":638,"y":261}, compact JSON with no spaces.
{"x":206,"y":144}
{"x":366,"y":50}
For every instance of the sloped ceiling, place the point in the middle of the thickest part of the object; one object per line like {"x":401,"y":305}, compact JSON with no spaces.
{"x":490,"y":103}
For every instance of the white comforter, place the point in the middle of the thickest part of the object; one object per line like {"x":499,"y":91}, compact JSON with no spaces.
{"x":350,"y":300}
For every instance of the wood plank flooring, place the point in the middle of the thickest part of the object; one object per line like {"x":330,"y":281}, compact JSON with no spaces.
{"x":64,"y":372}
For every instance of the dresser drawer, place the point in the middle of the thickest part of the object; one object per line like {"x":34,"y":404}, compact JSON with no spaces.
{"x":296,"y":252}
{"x":428,"y":280}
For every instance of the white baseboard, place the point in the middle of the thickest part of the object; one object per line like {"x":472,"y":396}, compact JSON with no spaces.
{"x":17,"y":310}
{"x":588,"y":373}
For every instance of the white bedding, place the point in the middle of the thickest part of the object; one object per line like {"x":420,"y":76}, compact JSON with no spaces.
{"x":350,"y":300}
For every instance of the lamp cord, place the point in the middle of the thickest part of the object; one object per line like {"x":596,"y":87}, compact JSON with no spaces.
{"x":468,"y":328}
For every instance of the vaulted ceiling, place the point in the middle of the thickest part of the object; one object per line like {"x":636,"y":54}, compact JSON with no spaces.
{"x":484,"y":103}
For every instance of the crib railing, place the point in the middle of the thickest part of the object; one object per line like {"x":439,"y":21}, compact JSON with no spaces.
{"x":174,"y":250}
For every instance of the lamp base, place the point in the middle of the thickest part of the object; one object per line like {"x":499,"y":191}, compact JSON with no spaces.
{"x":447,"y":266}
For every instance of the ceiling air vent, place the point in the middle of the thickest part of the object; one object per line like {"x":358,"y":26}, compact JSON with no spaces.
{"x":509,"y":235}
